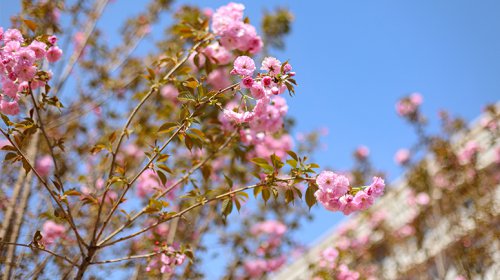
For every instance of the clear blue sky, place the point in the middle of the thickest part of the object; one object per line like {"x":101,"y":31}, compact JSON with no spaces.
{"x":354,"y":59}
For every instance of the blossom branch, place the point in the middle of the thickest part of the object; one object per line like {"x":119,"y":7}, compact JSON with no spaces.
{"x":196,"y":205}
{"x":173,"y":186}
{"x":69,"y":217}
{"x":153,"y":89}
{"x":163,"y":193}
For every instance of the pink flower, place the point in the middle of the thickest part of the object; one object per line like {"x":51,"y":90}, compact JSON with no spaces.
{"x":376,"y":188}
{"x":402,"y":156}
{"x":53,"y":54}
{"x":25,"y":57}
{"x":255,"y":268}
{"x":9,"y":88}
{"x":257,"y":90}
{"x":407,"y":107}
{"x":52,"y":231}
{"x":469,"y":152}
{"x":25,"y":72}
{"x":272,"y":65}
{"x":218,"y":54}
{"x":52,"y":39}
{"x":244,"y":66}
{"x":247,"y":82}
{"x":405,"y":231}
{"x":218,"y":79}
{"x":9,"y":107}
{"x":362,"y":200}
{"x":422,"y":198}
{"x":328,"y":257}
{"x":169,"y":92}
{"x":362,"y":152}
{"x":148,"y":183}
{"x":44,"y":165}
{"x":345,"y":274}
{"x":12,"y":35}
{"x":332,"y":183}
{"x":416,"y":98}
{"x":271,"y":227}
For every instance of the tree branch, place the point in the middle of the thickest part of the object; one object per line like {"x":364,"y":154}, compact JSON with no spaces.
{"x":41,"y":249}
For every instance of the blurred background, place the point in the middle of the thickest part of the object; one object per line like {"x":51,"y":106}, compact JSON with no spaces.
{"x":355,"y":59}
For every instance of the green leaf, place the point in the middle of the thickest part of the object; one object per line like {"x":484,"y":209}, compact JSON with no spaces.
{"x":164,"y":168}
{"x":72,"y":192}
{"x":167,"y":127}
{"x":289,"y":197}
{"x":263,"y":164}
{"x":266,"y":194}
{"x":310,"y":198}
{"x":292,"y":163}
{"x":277,"y":163}
{"x":228,"y":181}
{"x":227,"y":207}
{"x":162,"y":177}
{"x":293,"y":155}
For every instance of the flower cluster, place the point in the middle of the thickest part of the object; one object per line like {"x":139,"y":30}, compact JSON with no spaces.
{"x":335,"y":193}
{"x":328,"y":260}
{"x":271,"y":233}
{"x":166,"y":260}
{"x":228,"y":23}
{"x":408,"y":106}
{"x":19,"y":62}
{"x":267,"y":116}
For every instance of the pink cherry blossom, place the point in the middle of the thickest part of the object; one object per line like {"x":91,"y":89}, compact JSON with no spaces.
{"x":244,"y":66}
{"x":362,"y":152}
{"x":52,"y":231}
{"x":169,"y":92}
{"x":332,"y":183}
{"x":402,"y":156}
{"x":9,"y":107}
{"x":12,"y":35}
{"x":54,"y":53}
{"x":44,"y":165}
{"x":470,"y":151}
{"x":272,"y":65}
{"x":377,"y":187}
{"x":362,"y":200}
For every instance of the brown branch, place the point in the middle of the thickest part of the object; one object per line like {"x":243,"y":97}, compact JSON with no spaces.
{"x":41,"y":249}
{"x":99,"y":9}
{"x":42,"y":128}
{"x":128,"y":258}
{"x":152,"y":90}
{"x":45,"y":184}
{"x":194,"y":206}
{"x":173,"y":186}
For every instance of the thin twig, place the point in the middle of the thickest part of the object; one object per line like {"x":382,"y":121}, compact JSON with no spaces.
{"x":41,"y":249}
{"x":173,"y":186}
{"x":128,"y":258}
{"x":152,"y":90}
{"x":42,"y":128}
{"x":45,"y":184}
{"x":194,"y":206}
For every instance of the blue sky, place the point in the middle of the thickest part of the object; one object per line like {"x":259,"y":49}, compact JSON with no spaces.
{"x":354,"y":59}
